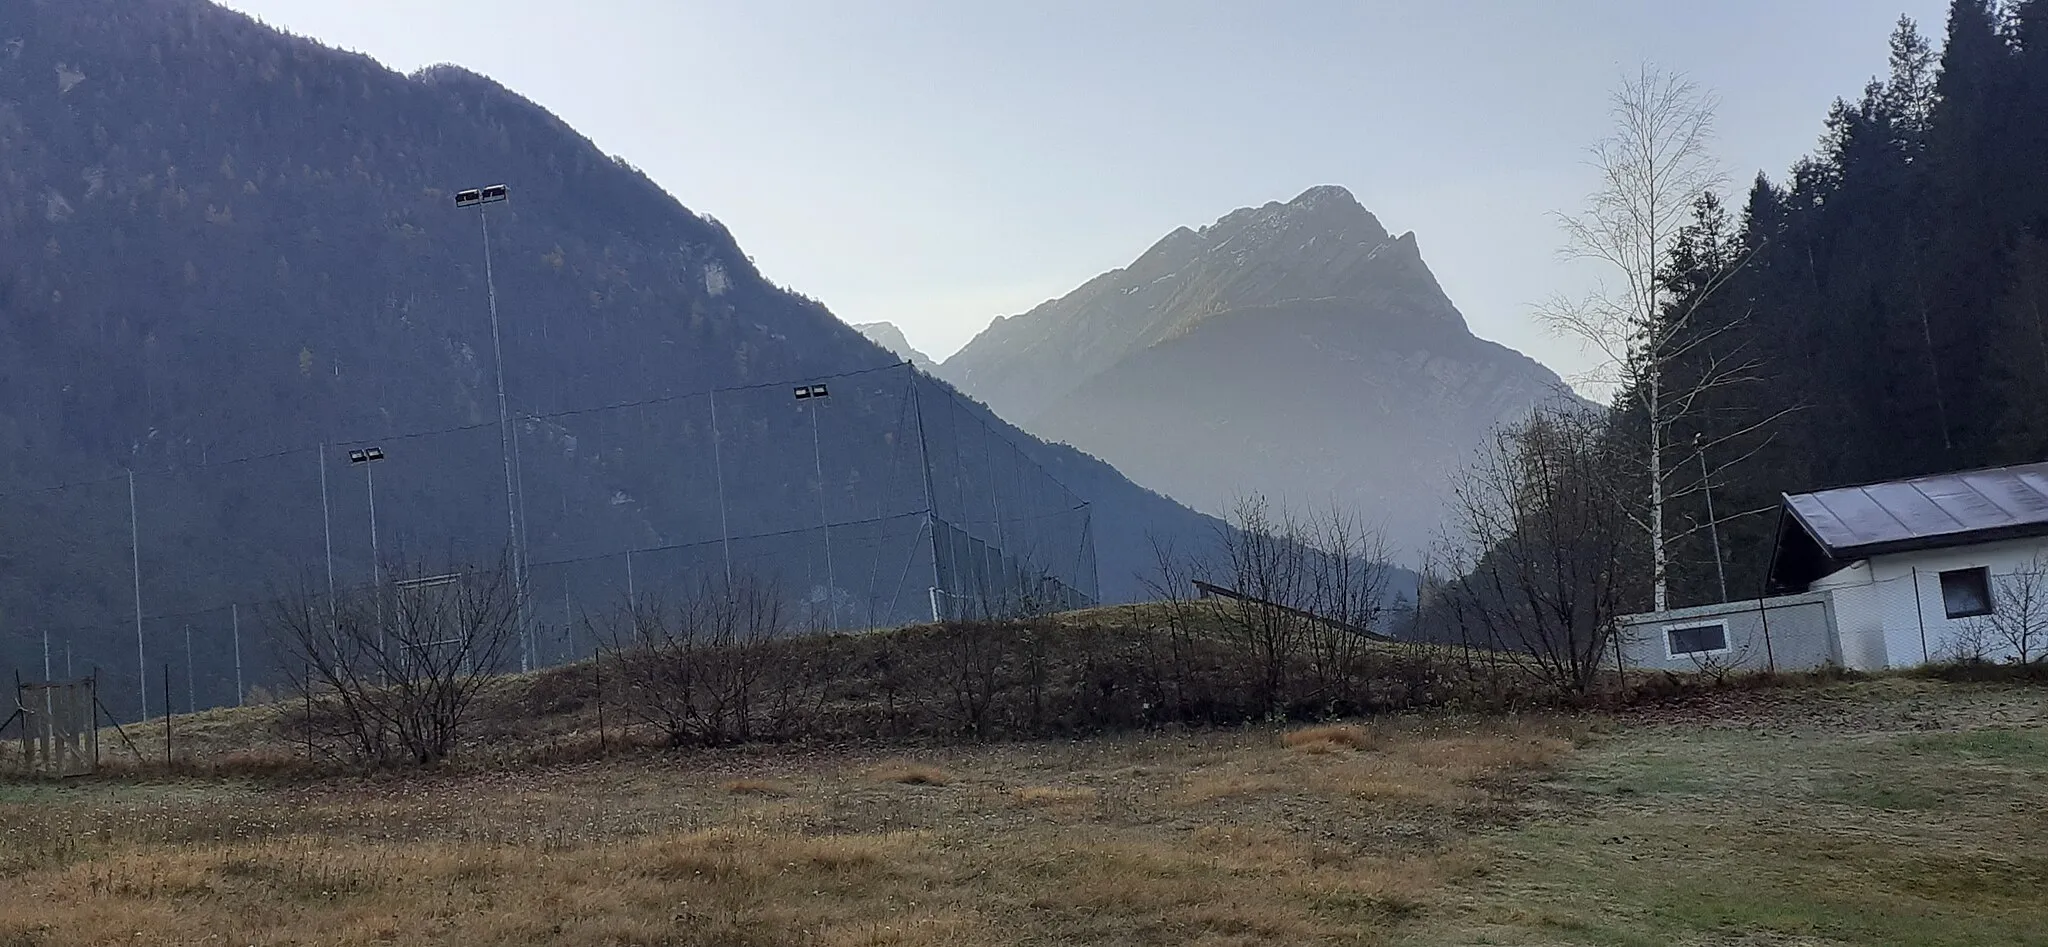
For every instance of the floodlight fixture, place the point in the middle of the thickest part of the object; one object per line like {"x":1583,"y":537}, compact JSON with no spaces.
{"x":480,"y":195}
{"x":366,"y":455}
{"x":804,"y":392}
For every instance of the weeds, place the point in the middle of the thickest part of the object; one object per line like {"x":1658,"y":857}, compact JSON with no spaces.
{"x":1052,"y":796}
{"x":1330,"y":739}
{"x":910,"y":774}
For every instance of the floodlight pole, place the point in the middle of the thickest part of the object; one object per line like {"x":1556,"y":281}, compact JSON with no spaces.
{"x":824,"y":525}
{"x":326,"y":527}
{"x":367,"y":459}
{"x":718,"y":476}
{"x":814,"y":394}
{"x":135,"y":567}
{"x":370,"y":490}
{"x":235,"y":623}
{"x":480,"y":197}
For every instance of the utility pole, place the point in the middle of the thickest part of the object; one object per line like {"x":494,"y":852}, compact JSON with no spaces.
{"x":1699,"y":444}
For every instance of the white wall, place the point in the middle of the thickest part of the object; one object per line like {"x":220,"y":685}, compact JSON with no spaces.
{"x":1789,"y":633}
{"x":1889,"y":610}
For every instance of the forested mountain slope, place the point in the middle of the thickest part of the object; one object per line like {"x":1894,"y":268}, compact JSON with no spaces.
{"x":1890,"y":294}
{"x":222,"y":246}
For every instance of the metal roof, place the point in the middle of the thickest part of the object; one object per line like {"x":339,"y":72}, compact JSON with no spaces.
{"x":1925,"y":512}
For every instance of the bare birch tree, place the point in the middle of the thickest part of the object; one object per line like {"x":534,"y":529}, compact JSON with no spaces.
{"x":1655,"y":167}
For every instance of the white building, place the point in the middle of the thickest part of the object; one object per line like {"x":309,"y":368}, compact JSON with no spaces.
{"x":1884,"y":575}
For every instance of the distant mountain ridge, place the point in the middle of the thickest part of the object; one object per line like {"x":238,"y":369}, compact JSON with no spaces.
{"x":889,"y":336}
{"x":1296,"y":349}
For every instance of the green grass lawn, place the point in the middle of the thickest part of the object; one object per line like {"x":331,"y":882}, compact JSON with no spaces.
{"x":1892,"y":812}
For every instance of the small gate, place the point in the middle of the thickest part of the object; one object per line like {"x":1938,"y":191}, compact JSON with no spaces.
{"x":60,"y":733}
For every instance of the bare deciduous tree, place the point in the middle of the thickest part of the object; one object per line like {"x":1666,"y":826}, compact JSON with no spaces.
{"x":1348,"y":594}
{"x":1170,"y":656}
{"x":1542,"y":546}
{"x":1657,"y":178}
{"x":400,"y":664}
{"x":2018,"y":622}
{"x":1263,"y":560}
{"x":1305,"y":596}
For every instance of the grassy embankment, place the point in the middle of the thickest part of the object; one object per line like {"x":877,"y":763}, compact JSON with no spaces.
{"x":1894,"y":811}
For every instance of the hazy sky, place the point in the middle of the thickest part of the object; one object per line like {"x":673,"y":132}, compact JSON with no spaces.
{"x":939,"y":163}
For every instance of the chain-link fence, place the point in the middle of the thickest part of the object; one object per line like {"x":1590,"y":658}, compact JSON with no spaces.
{"x":869,"y":499}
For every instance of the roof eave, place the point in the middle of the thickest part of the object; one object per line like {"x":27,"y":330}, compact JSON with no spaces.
{"x":1921,"y":543}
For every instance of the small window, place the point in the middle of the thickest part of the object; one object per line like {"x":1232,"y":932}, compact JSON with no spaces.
{"x":1696,"y":640}
{"x":1966,"y":593}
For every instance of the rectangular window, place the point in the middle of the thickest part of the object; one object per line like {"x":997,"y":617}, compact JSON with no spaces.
{"x":1696,"y":640}
{"x":1966,"y":593}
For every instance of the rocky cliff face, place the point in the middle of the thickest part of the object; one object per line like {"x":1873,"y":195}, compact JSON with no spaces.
{"x":1297,"y":350}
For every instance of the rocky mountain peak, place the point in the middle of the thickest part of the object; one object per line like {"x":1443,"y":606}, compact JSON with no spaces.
{"x":1322,"y":244}
{"x":1294,"y":348}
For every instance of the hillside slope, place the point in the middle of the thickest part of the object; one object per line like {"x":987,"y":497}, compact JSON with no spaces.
{"x":1309,"y":400}
{"x":1297,"y":350}
{"x":222,"y":247}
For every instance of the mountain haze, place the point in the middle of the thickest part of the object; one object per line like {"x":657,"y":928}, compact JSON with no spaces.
{"x":1296,"y":349}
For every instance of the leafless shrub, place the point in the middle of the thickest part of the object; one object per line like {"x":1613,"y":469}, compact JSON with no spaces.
{"x":691,"y":667}
{"x":971,"y":661}
{"x":394,"y":670}
{"x":1972,"y":642}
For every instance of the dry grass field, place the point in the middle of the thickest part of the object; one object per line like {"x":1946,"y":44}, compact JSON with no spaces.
{"x":1884,"y":812}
